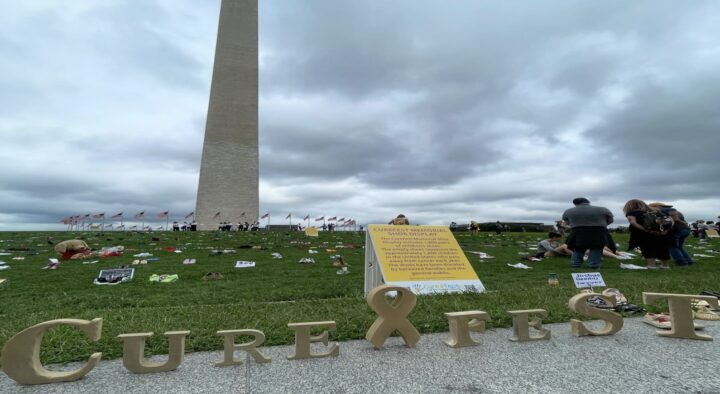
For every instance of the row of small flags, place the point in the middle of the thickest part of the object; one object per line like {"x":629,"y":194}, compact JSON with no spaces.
{"x":118,"y":227}
{"x":141,"y":215}
{"x":340,"y":222}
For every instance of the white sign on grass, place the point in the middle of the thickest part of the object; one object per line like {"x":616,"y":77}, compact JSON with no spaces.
{"x":244,"y":264}
{"x":588,"y":279}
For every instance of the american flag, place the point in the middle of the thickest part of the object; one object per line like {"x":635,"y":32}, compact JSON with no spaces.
{"x":332,"y":219}
{"x":306,"y":217}
{"x":140,"y":215}
{"x":217,"y":215}
{"x":242,"y":215}
{"x":189,"y":214}
{"x":99,"y":215}
{"x":321,"y":218}
{"x":341,"y":220}
{"x":265,"y":215}
{"x":163,"y":214}
{"x":119,"y":215}
{"x":288,"y":216}
{"x":67,"y":220}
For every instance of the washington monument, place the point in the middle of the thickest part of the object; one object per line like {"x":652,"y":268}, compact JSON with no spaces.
{"x":228,"y":187}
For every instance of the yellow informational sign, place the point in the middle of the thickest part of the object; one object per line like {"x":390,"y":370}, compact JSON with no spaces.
{"x":311,"y":232}
{"x":426,"y":259}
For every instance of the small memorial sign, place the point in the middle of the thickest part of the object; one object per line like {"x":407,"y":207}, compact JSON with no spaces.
{"x":114,"y":276}
{"x":244,"y":264}
{"x":311,"y":232}
{"x":588,"y":279}
{"x":425,"y":259}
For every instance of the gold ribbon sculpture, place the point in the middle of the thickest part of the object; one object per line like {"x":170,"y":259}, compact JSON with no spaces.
{"x":392,"y":316}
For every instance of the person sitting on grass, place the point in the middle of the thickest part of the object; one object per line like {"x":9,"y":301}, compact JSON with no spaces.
{"x":73,"y":249}
{"x":551,"y":247}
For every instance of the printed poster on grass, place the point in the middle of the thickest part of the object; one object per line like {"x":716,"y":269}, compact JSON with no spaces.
{"x":425,"y":259}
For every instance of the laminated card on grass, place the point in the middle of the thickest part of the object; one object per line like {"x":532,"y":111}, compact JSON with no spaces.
{"x":425,"y":259}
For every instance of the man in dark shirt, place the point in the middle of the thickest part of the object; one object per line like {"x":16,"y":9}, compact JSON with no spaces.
{"x":588,"y":226}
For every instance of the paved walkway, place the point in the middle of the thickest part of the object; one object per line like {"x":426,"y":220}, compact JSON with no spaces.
{"x":634,"y":360}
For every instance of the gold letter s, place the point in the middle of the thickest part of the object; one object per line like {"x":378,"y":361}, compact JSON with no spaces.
{"x":578,"y":304}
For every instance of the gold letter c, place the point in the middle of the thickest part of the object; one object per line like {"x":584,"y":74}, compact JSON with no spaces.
{"x":21,"y":354}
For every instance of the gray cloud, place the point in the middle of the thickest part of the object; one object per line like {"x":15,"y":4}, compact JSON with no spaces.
{"x":487,"y":110}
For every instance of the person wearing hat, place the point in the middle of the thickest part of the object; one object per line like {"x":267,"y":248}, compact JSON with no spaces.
{"x":680,"y":231}
{"x":400,"y":220}
{"x":588,"y":224}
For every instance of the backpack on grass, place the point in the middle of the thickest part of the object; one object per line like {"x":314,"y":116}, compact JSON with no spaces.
{"x":657,"y":221}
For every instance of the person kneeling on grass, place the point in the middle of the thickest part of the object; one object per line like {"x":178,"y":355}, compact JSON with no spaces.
{"x":73,"y":249}
{"x":551,"y":247}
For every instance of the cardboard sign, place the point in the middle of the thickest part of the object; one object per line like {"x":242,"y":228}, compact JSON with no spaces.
{"x":425,"y":259}
{"x":588,"y":279}
{"x":311,"y":232}
{"x":115,"y":276}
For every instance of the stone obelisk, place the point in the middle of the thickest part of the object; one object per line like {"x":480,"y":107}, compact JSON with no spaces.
{"x":229,"y":169}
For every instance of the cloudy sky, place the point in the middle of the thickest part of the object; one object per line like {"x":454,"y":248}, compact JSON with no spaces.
{"x":443,"y":111}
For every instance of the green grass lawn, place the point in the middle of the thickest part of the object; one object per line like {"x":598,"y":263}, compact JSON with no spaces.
{"x":278,"y":292}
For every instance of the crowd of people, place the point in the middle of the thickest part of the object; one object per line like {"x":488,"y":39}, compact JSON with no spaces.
{"x":657,"y":229}
{"x":245,"y":226}
{"x":192,"y":226}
